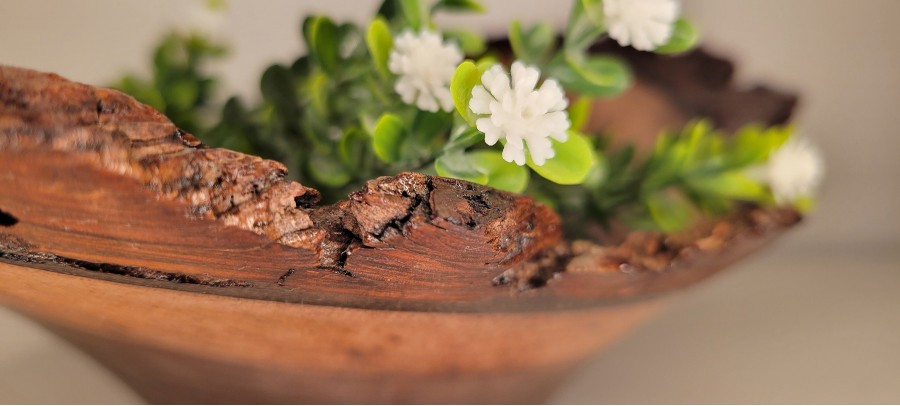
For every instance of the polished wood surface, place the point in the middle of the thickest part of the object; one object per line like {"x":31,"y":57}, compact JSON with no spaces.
{"x":107,"y":185}
{"x":174,"y":346}
{"x":202,"y":275}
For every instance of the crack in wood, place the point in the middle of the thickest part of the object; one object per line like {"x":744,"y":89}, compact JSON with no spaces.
{"x":7,"y":220}
{"x":19,"y":250}
{"x":400,"y":236}
{"x":649,"y":253}
{"x":282,"y":278}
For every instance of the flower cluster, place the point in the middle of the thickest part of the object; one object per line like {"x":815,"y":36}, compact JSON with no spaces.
{"x":795,"y":170}
{"x":520,"y":113}
{"x":643,"y":24}
{"x":424,"y":65}
{"x":401,"y":95}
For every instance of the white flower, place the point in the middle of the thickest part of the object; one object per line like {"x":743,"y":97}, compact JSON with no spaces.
{"x":643,"y":24}
{"x":520,"y":112}
{"x":425,"y":66}
{"x":794,"y":170}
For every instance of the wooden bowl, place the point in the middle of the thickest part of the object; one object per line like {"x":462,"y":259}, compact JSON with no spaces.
{"x":186,"y":347}
{"x":201,"y":275}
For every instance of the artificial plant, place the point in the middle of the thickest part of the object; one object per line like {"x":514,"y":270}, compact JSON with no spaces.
{"x":400,"y":94}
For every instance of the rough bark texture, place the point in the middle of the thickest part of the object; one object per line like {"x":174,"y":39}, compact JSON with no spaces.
{"x":97,"y":184}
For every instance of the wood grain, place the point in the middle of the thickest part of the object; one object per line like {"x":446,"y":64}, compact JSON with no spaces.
{"x":200,"y":275}
{"x":107,"y":187}
{"x":196,"y":348}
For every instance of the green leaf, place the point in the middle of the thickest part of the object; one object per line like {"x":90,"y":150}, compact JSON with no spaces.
{"x":466,"y":77}
{"x":322,"y":41}
{"x":300,"y":67}
{"x":380,"y":42}
{"x":463,"y":137}
{"x":597,"y":76}
{"x":168,"y":54}
{"x":182,"y":94}
{"x":517,"y":39}
{"x":777,"y":136}
{"x":534,"y":45}
{"x":753,"y":145}
{"x":327,"y":170}
{"x":620,"y":160}
{"x":572,"y":162}
{"x":684,"y":38}
{"x":485,"y":167}
{"x":389,"y":10}
{"x":733,"y":185}
{"x":459,"y":166}
{"x":277,"y":87}
{"x":318,"y":93}
{"x":580,"y":112}
{"x":805,"y":204}
{"x":413,"y":13}
{"x":670,"y":213}
{"x":430,"y":129}
{"x":471,"y":43}
{"x":387,"y":137}
{"x":350,"y":41}
{"x":593,"y":10}
{"x":598,"y":174}
{"x":367,"y":122}
{"x":485,"y":62}
{"x":458,"y":6}
{"x":584,"y":27}
{"x":353,"y":147}
{"x":501,"y":175}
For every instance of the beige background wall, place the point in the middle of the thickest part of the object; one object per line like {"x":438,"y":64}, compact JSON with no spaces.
{"x":814,"y":319}
{"x":842,"y":56}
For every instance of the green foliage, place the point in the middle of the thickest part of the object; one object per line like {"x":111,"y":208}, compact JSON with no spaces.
{"x":684,"y":38}
{"x":179,"y":87}
{"x":380,"y":42}
{"x":485,"y":167}
{"x":501,"y":174}
{"x":459,"y":165}
{"x":466,"y":77}
{"x":471,"y":43}
{"x":579,"y":112}
{"x":696,"y":171}
{"x":333,"y":117}
{"x":534,"y":45}
{"x":470,"y":6}
{"x":388,"y":138}
{"x":668,"y":212}
{"x":585,"y":26}
{"x":404,"y":14}
{"x":572,"y":162}
{"x":596,"y":76}
{"x":321,"y":36}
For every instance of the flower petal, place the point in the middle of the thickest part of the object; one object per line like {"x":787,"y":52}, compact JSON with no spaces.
{"x":524,"y":77}
{"x":481,"y":100}
{"x":643,"y":24}
{"x":513,"y":154}
{"x":496,"y":81}
{"x":525,"y":116}
{"x":424,"y":66}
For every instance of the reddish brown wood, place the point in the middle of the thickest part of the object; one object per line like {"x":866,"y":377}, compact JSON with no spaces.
{"x":694,"y":85}
{"x":202,"y":275}
{"x":175,"y":346}
{"x":129,"y":189}
{"x":108,"y":186}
